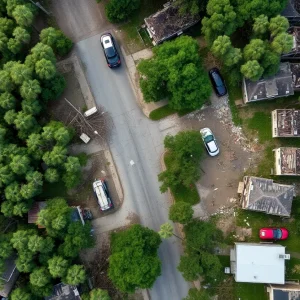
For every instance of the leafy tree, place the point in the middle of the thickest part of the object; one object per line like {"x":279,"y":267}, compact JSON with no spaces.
{"x":134,"y":262}
{"x":56,"y":157}
{"x":25,"y":264}
{"x":20,"y":73}
{"x":190,"y":267}
{"x":278,"y":24}
{"x":252,"y":70}
{"x":181,"y":212}
{"x":7,"y":101}
{"x":31,"y":107}
{"x":53,"y":88}
{"x":12,"y":4}
{"x":7,"y":208}
{"x":40,"y":51}
{"x":63,"y":136}
{"x":56,"y":40}
{"x":45,"y":69}
{"x":6,"y":83}
{"x":21,"y":35}
{"x":195,"y":294}
{"x":211,"y":265}
{"x":98,"y":294}
{"x":166,"y":231}
{"x":30,"y":89}
{"x":186,"y":150}
{"x":191,"y":6}
{"x":260,"y":26}
{"x":58,"y":266}
{"x":10,"y":116}
{"x":254,"y":50}
{"x":7,"y":26}
{"x":51,"y":175}
{"x":20,"y":164}
{"x":20,"y":239}
{"x":221,"y":20}
{"x":26,"y":124}
{"x":23,"y":15}
{"x":40,"y":277}
{"x":282,"y":43}
{"x":119,"y":10}
{"x":233,"y":57}
{"x":75,"y":275}
{"x":43,"y":291}
{"x":12,"y":192}
{"x":3,"y":42}
{"x":270,"y":62}
{"x":35,"y":243}
{"x":14,"y":46}
{"x":20,"y":294}
{"x":20,"y":209}
{"x":6,"y":249}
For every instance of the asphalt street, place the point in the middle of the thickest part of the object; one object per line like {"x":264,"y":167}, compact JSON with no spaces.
{"x":136,"y":145}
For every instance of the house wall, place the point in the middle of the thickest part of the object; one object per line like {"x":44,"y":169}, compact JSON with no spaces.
{"x":274,"y":124}
{"x":277,"y":166}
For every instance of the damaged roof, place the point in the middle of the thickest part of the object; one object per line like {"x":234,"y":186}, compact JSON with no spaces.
{"x":169,"y":22}
{"x":261,"y":194}
{"x":63,"y":291}
{"x":279,"y":85}
{"x":286,"y":123}
{"x":289,"y":160}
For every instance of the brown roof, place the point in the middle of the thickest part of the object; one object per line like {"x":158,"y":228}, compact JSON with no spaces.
{"x":34,"y":211}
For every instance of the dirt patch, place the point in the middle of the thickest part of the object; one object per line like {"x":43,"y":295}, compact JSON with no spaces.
{"x":242,"y":233}
{"x":226,"y":224}
{"x":97,"y":167}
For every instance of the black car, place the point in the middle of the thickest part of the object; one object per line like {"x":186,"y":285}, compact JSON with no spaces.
{"x":110,"y":50}
{"x":218,"y":82}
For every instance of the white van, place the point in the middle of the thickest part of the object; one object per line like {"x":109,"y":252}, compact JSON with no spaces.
{"x":101,"y":192}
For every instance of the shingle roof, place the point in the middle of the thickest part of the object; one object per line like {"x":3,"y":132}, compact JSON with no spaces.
{"x":266,"y":196}
{"x":63,"y":291}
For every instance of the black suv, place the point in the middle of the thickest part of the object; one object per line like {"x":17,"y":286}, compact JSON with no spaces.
{"x":110,"y":50}
{"x":217,"y":82}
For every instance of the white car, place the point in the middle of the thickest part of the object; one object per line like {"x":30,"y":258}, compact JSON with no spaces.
{"x":209,"y":141}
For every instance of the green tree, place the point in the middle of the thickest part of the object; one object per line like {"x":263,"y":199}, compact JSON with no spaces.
{"x":119,"y":10}
{"x":221,"y":20}
{"x":195,"y":294}
{"x":254,"y":50}
{"x":58,"y":266}
{"x":270,"y":62}
{"x":7,"y":26}
{"x":98,"y":294}
{"x":26,"y":124}
{"x":51,"y":175}
{"x":10,"y":116}
{"x":282,"y":43}
{"x":35,"y":243}
{"x":221,"y":45}
{"x":12,"y":4}
{"x":40,"y":51}
{"x":20,"y":164}
{"x":6,"y":249}
{"x":25,"y":264}
{"x":7,"y":208}
{"x":14,"y":46}
{"x":181,"y":212}
{"x":134,"y":262}
{"x":190,"y":267}
{"x":211,"y":265}
{"x":20,"y":209}
{"x":252,"y":70}
{"x":3,"y":42}
{"x":21,"y":35}
{"x":20,"y":294}
{"x":260,"y":26}
{"x":166,"y":231}
{"x":7,"y":101}
{"x":40,"y":277}
{"x":20,"y":239}
{"x":53,"y":88}
{"x":31,"y":107}
{"x":23,"y":15}
{"x":63,"y":136}
{"x":45,"y":69}
{"x":30,"y":89}
{"x":56,"y":157}
{"x":191,"y":6}
{"x":6,"y":83}
{"x":20,"y":73}
{"x":56,"y":40}
{"x":278,"y":24}
{"x":75,"y":275}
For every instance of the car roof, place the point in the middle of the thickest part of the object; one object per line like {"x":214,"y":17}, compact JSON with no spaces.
{"x":212,"y":146}
{"x":99,"y":190}
{"x":107,"y":41}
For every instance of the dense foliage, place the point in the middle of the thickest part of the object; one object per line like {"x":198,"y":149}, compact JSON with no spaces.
{"x":119,"y":10}
{"x":186,"y":149}
{"x":175,"y":72}
{"x":181,"y":212}
{"x":134,"y":262}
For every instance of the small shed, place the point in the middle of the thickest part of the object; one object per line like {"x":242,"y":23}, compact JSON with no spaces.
{"x":258,"y":263}
{"x":264,"y":195}
{"x":285,"y":123}
{"x":287,"y":161}
{"x":168,"y":23}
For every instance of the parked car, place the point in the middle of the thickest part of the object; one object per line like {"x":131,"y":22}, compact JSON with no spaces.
{"x":102,"y":194}
{"x":271,"y":233}
{"x":110,"y":50}
{"x":209,"y":141}
{"x":218,"y":82}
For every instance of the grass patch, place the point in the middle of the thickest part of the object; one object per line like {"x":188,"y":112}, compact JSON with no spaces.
{"x":262,"y":124}
{"x":250,"y":291}
{"x":161,"y":112}
{"x":180,"y":192}
{"x":290,"y":271}
{"x":266,"y":164}
{"x":147,"y":8}
{"x":258,"y":220}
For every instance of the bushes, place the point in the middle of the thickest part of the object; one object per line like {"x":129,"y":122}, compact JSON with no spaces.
{"x":119,"y":10}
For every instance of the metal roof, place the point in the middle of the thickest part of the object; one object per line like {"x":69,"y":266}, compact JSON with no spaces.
{"x":260,"y":263}
{"x":63,"y":291}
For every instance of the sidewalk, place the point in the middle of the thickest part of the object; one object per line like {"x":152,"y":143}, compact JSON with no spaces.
{"x":131,"y":62}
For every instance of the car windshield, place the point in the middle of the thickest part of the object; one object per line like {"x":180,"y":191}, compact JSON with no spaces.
{"x":217,"y":79}
{"x":277,"y":234}
{"x":110,"y":52}
{"x":208,"y":139}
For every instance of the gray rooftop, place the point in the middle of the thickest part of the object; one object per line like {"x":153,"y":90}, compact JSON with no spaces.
{"x":9,"y":276}
{"x":295,"y":69}
{"x":290,"y":10}
{"x":168,"y":22}
{"x":261,"y":194}
{"x":279,"y":85}
{"x":63,"y":291}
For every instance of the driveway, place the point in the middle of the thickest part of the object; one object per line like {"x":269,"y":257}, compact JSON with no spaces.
{"x":136,"y":144}
{"x":79,"y":19}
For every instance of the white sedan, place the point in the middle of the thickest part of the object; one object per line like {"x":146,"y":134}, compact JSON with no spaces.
{"x":209,"y":141}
